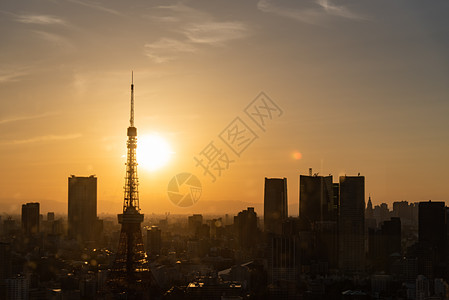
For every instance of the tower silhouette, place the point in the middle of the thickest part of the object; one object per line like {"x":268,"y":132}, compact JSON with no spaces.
{"x":130,"y":273}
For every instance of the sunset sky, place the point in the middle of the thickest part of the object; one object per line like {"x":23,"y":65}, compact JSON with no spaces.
{"x":363,"y":87}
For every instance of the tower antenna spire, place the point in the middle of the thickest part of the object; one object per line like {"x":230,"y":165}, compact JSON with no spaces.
{"x":131,"y":119}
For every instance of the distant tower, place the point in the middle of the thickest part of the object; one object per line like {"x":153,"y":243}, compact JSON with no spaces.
{"x":369,"y":212}
{"x":130,"y":272}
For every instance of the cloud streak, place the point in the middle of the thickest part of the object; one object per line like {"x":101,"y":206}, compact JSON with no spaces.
{"x":24,"y":118}
{"x":165,"y":49}
{"x":216,"y":33}
{"x":56,"y":39}
{"x":40,"y":19}
{"x":97,"y":6}
{"x":340,"y":11}
{"x":43,"y":138}
{"x":12,"y":76}
{"x":316,"y":13}
{"x":197,"y":29}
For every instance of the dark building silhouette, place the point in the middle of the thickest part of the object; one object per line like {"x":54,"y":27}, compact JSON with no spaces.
{"x":82,"y":207}
{"x":30,"y":218}
{"x":194,"y":223}
{"x":9,"y":226}
{"x":283,"y":258}
{"x":50,"y":216}
{"x":392,"y":232}
{"x":275,"y":204}
{"x":384,"y":245}
{"x":432,"y":224}
{"x":5,"y":267}
{"x":336,"y":196}
{"x":318,"y":213}
{"x":370,"y":221}
{"x":432,"y":237}
{"x":154,"y":241}
{"x":245,"y":224}
{"x":351,"y":231}
{"x":369,"y":213}
{"x":326,"y":246}
{"x":316,"y":199}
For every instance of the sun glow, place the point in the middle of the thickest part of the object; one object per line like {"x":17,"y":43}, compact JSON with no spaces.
{"x":153,"y":152}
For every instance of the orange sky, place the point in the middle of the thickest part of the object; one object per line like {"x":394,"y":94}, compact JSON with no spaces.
{"x":362,"y":85}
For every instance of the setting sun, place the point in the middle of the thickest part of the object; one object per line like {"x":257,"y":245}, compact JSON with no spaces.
{"x":153,"y":152}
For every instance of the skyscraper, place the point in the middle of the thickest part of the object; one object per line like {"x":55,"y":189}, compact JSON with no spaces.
{"x":316,"y":199}
{"x":30,"y":218}
{"x":352,"y":224}
{"x":154,"y":241}
{"x":318,"y":212}
{"x":432,"y":223}
{"x":82,"y":208}
{"x":245,"y":224}
{"x":432,"y":236}
{"x":275,"y":204}
{"x":283,"y":258}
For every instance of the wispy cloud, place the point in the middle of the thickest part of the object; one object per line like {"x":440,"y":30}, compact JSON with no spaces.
{"x":165,"y":49}
{"x":97,"y":6}
{"x":180,"y":12}
{"x":216,"y":33}
{"x":27,"y":117}
{"x":43,"y":138}
{"x":12,"y":76}
{"x":40,"y":19}
{"x":316,"y":12}
{"x":340,"y":11}
{"x":194,"y":29}
{"x":54,"y":38}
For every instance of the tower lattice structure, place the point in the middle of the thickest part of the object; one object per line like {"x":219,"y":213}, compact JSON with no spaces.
{"x":130,"y":273}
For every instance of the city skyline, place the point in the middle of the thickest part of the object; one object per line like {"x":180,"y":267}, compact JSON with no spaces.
{"x":361,"y":90}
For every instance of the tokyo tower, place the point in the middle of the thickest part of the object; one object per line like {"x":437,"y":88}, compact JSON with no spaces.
{"x":130,"y":275}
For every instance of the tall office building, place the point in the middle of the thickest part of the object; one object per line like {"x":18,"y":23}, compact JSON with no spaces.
{"x":382,"y":243}
{"x":318,"y":213}
{"x":432,"y":224}
{"x":316,"y":199}
{"x":245,"y":224}
{"x":82,"y":210}
{"x":154,"y":241}
{"x":283,"y":258}
{"x":352,"y":224}
{"x":275,"y":204}
{"x":30,"y":218}
{"x":432,"y":237}
{"x":194,"y":224}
